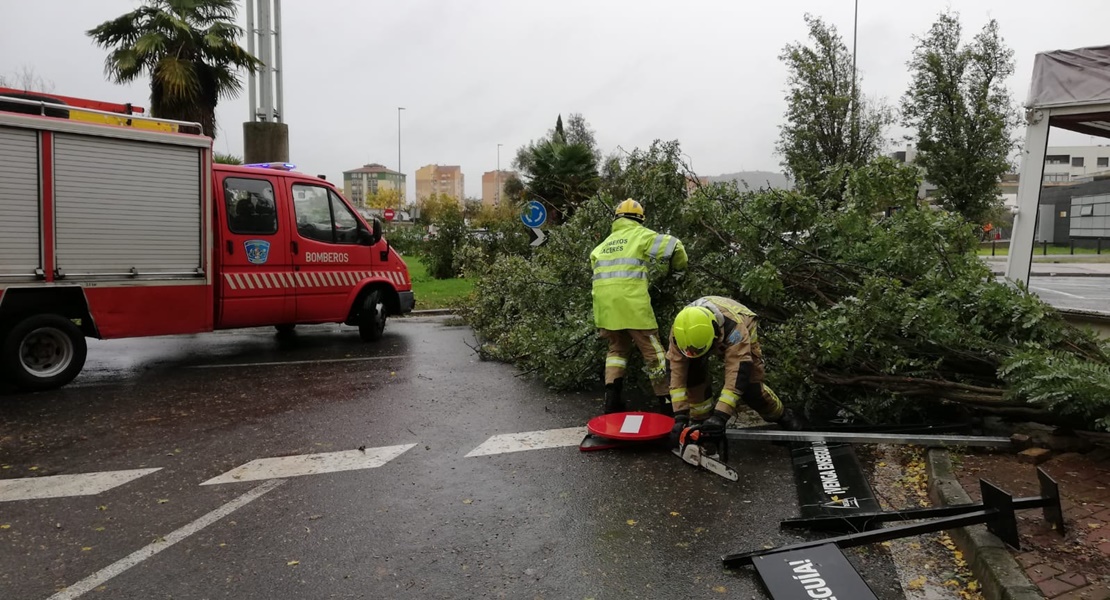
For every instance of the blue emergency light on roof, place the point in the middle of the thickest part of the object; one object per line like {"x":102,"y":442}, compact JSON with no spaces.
{"x":278,"y":166}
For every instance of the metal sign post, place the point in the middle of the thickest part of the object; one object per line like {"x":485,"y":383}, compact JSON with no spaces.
{"x":1049,"y":500}
{"x":996,"y":511}
{"x":867,"y":438}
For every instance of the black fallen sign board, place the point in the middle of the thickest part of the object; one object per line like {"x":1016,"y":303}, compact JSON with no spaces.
{"x":820,"y":573}
{"x":830,"y":480}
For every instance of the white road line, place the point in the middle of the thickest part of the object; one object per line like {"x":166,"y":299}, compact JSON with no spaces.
{"x":1033,"y":287}
{"x":530,"y":440}
{"x":311,"y":464}
{"x":61,"y":486}
{"x":102,"y":576}
{"x":298,"y":362}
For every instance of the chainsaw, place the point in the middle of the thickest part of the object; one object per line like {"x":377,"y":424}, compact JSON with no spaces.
{"x":697,"y":449}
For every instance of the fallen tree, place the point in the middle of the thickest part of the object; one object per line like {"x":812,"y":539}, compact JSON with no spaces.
{"x":871,"y":303}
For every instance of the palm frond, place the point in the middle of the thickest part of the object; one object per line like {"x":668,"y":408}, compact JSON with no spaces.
{"x":177,"y":77}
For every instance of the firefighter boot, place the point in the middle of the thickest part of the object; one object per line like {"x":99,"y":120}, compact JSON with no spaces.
{"x":664,"y":405}
{"x":790,"y":421}
{"x":614,"y":403}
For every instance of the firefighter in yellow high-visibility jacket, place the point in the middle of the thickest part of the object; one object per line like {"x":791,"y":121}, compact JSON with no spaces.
{"x":724,"y":327}
{"x":622,"y":306}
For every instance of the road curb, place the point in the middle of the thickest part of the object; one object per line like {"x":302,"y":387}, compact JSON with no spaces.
{"x":1055,"y":274}
{"x":998,"y":573}
{"x":432,"y":312}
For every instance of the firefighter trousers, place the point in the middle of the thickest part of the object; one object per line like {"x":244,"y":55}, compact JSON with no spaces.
{"x":756,"y":394}
{"x":620,"y":349}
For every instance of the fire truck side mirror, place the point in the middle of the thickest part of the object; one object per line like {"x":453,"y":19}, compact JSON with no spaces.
{"x":372,"y":237}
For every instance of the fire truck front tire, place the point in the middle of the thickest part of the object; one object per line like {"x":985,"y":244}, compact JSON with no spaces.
{"x":371,"y":319}
{"x":43,"y":352}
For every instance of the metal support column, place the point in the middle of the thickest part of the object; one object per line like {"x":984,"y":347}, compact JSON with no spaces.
{"x":279,"y":91}
{"x":252,"y":79}
{"x":265,"y":54}
{"x":1029,"y":196}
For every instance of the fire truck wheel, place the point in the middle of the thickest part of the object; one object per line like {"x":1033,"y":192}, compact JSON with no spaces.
{"x":285,"y":328}
{"x":371,"y":319}
{"x":43,"y":352}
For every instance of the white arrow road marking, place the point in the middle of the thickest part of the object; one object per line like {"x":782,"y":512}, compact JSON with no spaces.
{"x":311,"y":464}
{"x":100,"y":577}
{"x":530,"y":440}
{"x":61,"y":486}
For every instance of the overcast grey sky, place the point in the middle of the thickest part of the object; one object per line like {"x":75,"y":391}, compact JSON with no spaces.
{"x":472,"y":74}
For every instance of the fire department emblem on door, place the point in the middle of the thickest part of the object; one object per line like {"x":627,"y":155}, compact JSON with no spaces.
{"x":257,"y":251}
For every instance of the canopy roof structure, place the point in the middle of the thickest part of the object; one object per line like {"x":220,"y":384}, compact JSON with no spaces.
{"x":1070,"y":90}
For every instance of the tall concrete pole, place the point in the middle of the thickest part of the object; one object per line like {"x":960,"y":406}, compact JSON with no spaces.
{"x":265,"y":135}
{"x":278,"y":73}
{"x":252,"y":79}
{"x":402,"y":173}
{"x":265,"y":54}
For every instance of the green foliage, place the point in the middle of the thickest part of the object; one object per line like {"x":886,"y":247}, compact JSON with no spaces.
{"x":226,"y":159}
{"x":188,"y":49}
{"x":829,"y":125}
{"x":886,"y":314}
{"x":435,"y":206}
{"x":406,"y":239}
{"x":496,"y":238}
{"x":440,"y":249}
{"x":561,"y":169}
{"x":960,"y":105}
{"x":1068,"y":384}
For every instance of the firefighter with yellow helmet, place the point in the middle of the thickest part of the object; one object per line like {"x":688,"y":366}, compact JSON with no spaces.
{"x":622,"y":265}
{"x":721,"y":326}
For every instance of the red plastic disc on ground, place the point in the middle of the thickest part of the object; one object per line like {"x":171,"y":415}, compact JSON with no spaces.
{"x":631,"y":426}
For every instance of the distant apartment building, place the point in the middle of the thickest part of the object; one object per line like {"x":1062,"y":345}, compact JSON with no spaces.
{"x":446,"y":180}
{"x":493,"y":186}
{"x":371,"y":179}
{"x":1069,"y":164}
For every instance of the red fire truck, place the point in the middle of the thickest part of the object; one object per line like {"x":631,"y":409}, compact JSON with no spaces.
{"x":111,"y":230}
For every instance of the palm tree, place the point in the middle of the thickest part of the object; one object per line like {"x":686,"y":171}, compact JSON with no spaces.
{"x":189,"y":50}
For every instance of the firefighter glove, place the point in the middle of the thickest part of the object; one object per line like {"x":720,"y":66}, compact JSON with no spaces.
{"x":715,"y":426}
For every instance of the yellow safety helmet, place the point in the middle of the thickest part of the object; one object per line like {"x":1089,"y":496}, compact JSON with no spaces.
{"x":630,"y":209}
{"x":694,"y":331}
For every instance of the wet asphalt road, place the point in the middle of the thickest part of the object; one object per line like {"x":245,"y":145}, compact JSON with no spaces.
{"x":1080,"y":293}
{"x":432,"y":523}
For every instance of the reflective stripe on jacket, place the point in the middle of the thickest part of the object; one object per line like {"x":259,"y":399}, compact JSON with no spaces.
{"x":621,"y":270}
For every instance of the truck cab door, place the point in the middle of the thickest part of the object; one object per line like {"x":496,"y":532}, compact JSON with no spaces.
{"x":255,"y":260}
{"x":331,"y":260}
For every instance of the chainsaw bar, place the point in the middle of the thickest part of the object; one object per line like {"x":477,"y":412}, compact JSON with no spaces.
{"x":695,"y":455}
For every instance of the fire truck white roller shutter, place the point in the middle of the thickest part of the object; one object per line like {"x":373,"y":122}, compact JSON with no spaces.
{"x":124,"y":204}
{"x":19,"y":203}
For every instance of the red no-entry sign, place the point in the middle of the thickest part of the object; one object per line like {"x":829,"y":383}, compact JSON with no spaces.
{"x":388,"y":214}
{"x":631,"y":426}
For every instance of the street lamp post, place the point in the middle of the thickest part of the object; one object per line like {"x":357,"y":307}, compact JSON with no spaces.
{"x":399,"y":171}
{"x":855,"y":30}
{"x":497,"y":202}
